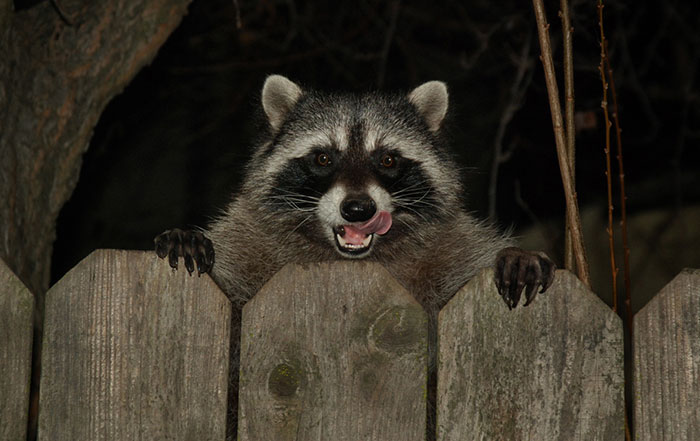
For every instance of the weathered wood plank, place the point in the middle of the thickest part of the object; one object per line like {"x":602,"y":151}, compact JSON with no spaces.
{"x":667,"y":362}
{"x":134,"y":351}
{"x":333,"y":351}
{"x":16,"y":310}
{"x":550,"y":371}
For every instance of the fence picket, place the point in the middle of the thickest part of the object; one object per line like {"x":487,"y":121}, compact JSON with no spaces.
{"x":133,"y":351}
{"x":667,"y":362}
{"x":16,"y":316}
{"x":333,"y":351}
{"x":550,"y":371}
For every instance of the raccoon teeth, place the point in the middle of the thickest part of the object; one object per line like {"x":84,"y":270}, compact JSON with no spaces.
{"x":344,"y":244}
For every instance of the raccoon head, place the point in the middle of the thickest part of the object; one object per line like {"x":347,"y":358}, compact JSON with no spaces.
{"x":354,"y":172}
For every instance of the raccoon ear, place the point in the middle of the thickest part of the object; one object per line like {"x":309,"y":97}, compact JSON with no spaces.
{"x":278,"y":97}
{"x":431,"y":101}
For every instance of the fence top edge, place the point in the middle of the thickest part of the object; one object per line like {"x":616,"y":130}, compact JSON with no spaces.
{"x":331,"y":265}
{"x":693,"y":272}
{"x":94,"y":255}
{"x":563,"y":278}
{"x":130,"y":259}
{"x":371,"y":270}
{"x":11,"y":285}
{"x":687,"y":276}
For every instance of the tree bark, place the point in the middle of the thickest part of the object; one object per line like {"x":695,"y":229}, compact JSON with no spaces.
{"x":55,"y":81}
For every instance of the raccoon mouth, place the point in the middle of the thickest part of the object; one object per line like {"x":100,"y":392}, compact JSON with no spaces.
{"x":356,"y":239}
{"x":352,"y":246}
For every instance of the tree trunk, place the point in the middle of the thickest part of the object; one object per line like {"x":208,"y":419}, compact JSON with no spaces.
{"x":55,"y":80}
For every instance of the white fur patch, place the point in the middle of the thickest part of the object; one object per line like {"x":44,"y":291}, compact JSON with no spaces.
{"x":298,"y":148}
{"x":329,"y":206}
{"x":381,"y":197}
{"x":328,"y":210}
{"x":340,"y":135}
{"x":372,"y":140}
{"x":302,"y":145}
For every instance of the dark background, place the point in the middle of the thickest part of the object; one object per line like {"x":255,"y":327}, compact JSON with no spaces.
{"x":169,"y":150}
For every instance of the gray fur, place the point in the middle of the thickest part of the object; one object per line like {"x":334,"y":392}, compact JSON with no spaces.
{"x":436,"y":259}
{"x":433,"y":246}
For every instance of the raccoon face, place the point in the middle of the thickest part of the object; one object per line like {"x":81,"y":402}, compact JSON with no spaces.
{"x":351,"y":214}
{"x":351,"y":172}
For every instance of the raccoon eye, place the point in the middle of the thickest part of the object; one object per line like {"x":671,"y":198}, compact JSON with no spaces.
{"x":388,"y":161}
{"x":323,"y":159}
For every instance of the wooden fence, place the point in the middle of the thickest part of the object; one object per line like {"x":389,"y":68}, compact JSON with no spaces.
{"x":337,"y":351}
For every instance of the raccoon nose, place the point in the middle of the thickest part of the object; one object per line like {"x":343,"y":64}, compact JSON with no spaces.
{"x":358,"y":209}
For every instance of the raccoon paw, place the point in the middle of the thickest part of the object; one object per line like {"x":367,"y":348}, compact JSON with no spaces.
{"x":193,"y":246}
{"x":517,"y":269}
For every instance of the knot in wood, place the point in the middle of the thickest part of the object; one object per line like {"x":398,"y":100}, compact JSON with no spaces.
{"x":398,"y":330}
{"x":284,"y":380}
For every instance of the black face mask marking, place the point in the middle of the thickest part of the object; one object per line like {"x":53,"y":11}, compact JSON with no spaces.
{"x":303,"y":181}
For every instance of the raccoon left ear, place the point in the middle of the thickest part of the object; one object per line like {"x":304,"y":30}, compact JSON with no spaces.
{"x":431,"y":101}
{"x":279,"y":95}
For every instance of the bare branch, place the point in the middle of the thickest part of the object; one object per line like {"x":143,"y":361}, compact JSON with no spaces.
{"x":562,"y":155}
{"x":569,"y":112}
{"x":608,"y":170}
{"x":623,"y":197}
{"x":605,"y":63}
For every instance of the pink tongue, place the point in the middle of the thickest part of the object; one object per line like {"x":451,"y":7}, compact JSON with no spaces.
{"x":356,"y":233}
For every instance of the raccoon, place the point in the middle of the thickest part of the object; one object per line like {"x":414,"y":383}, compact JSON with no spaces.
{"x":355,"y":176}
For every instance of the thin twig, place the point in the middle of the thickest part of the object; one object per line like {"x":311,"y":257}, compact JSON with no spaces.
{"x":567,"y":30}
{"x":608,"y":170}
{"x":623,"y":197}
{"x":558,"y":125}
{"x":605,"y":62}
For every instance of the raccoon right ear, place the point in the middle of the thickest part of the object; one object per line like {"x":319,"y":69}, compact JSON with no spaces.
{"x":431,"y":101}
{"x":279,"y":95}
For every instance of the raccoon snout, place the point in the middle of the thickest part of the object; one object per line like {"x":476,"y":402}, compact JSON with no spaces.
{"x":358,"y":209}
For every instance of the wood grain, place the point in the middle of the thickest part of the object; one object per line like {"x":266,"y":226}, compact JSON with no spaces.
{"x":549,"y":371}
{"x":667,"y":363}
{"x":16,"y":309}
{"x":134,"y":351}
{"x":333,"y":351}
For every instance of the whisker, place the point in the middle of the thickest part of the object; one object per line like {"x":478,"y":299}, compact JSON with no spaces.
{"x":409,"y":226}
{"x":306,"y":219}
{"x":292,"y":205}
{"x":415,"y":186}
{"x":408,"y":207}
{"x":295,"y":200}
{"x":291,"y":199}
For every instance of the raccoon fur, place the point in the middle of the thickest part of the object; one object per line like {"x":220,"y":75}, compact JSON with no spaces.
{"x":355,"y":176}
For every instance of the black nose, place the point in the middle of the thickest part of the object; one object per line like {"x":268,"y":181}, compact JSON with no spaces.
{"x":358,"y":208}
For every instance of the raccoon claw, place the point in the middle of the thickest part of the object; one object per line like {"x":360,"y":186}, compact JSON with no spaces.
{"x":518,"y":269}
{"x":193,"y":246}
